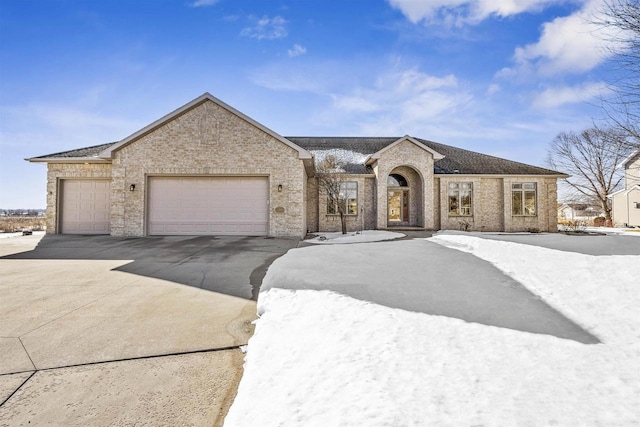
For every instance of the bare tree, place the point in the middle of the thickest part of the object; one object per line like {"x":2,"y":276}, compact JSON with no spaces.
{"x":591,"y":158}
{"x":332,"y":182}
{"x":621,"y":21}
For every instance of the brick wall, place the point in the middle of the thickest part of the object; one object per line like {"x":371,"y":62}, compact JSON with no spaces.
{"x":492,"y":210}
{"x":487,"y":204}
{"x":208,"y":140}
{"x":364,"y":218}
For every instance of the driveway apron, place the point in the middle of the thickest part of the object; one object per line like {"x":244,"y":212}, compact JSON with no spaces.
{"x":98,"y":330}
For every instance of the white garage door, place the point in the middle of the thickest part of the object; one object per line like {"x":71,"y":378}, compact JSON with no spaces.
{"x":86,"y":206}
{"x":208,"y":205}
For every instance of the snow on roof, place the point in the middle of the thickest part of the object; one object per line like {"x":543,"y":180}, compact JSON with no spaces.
{"x":352,"y":161}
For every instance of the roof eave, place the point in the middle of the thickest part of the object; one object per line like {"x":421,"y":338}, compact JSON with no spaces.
{"x":68,"y":160}
{"x":628,"y":159}
{"x":502,"y":175}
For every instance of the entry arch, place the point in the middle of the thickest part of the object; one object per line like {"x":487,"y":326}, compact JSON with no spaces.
{"x":405,"y":204}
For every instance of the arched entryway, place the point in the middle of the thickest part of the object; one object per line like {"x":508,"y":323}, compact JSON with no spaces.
{"x":404,"y":198}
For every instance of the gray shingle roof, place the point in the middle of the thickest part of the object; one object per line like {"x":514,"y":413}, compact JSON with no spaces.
{"x":456,"y":160}
{"x":89,"y":152}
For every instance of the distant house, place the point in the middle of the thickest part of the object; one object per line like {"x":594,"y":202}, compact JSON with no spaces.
{"x":208,"y":169}
{"x":626,"y":202}
{"x":579,"y":211}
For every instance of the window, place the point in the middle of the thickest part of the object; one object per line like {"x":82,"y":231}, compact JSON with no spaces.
{"x":396,"y":180}
{"x":523,"y":199}
{"x":349,"y":195}
{"x":460,"y":194}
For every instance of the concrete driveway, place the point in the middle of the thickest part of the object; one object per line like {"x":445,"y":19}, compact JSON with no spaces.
{"x":99,"y":330}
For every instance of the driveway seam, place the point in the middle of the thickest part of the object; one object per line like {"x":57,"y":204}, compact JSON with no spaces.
{"x":129,"y":359}
{"x":19,"y":387}
{"x":27,"y":353}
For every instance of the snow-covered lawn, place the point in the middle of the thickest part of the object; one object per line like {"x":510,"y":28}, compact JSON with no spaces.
{"x":606,"y":230}
{"x":322,"y":359}
{"x":354,"y":237}
{"x":19,"y":234}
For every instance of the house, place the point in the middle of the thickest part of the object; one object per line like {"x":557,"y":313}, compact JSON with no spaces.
{"x":579,"y":211}
{"x":625,"y":203}
{"x":207,"y":168}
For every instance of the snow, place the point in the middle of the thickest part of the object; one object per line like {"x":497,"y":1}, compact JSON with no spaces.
{"x":365,"y":236}
{"x":617,"y":231}
{"x":318,"y":358}
{"x":342,"y":156}
{"x":19,"y":234}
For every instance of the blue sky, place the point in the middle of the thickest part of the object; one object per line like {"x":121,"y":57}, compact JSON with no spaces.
{"x":500,"y":77}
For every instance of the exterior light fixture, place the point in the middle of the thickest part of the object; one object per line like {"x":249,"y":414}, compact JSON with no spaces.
{"x":279,"y":188}
{"x":132,"y":187}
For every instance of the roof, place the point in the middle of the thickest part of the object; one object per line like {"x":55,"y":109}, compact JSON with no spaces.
{"x":455,"y":161}
{"x":365,"y":147}
{"x":625,"y":191}
{"x":629,"y":159}
{"x":86,"y":153}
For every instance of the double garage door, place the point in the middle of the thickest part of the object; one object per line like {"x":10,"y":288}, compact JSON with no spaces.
{"x":176,"y":206}
{"x":208,"y":205}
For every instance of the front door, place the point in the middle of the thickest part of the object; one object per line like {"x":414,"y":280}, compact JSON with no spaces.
{"x":398,"y":207}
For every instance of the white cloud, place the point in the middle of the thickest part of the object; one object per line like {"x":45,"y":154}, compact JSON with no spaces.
{"x":354,"y":103}
{"x":201,"y":3}
{"x":558,"y":96}
{"x":302,"y":78}
{"x":266,"y":28}
{"x":406,"y":84}
{"x":568,"y":44}
{"x":402,"y":101}
{"x":458,"y":12}
{"x":493,"y":89}
{"x":296,"y":50}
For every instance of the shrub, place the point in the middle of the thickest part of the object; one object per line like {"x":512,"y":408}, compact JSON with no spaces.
{"x":599,"y":221}
{"x":11,"y":224}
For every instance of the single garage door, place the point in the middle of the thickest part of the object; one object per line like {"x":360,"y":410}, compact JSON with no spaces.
{"x":86,"y":206}
{"x":208,"y":205}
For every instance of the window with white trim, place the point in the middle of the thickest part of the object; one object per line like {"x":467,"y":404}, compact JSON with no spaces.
{"x":460,"y":198}
{"x":348,"y":198}
{"x":523,"y":199}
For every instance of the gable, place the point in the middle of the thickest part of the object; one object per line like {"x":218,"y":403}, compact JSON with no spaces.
{"x":632,"y":159}
{"x":205,"y":136}
{"x":208,"y":122}
{"x":404,"y":140}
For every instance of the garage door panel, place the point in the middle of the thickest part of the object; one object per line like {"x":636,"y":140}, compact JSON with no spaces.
{"x":85,"y":207}
{"x":208,"y":205}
